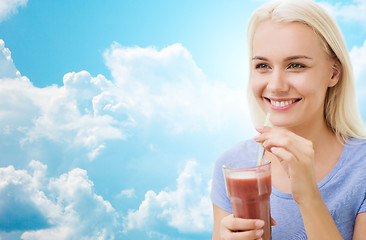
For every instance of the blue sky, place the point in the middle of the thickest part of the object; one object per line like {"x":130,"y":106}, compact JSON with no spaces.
{"x":112,"y":113}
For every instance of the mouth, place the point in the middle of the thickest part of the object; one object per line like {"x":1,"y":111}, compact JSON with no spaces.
{"x":282,"y":103}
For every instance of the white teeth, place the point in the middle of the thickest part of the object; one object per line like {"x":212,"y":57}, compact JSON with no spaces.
{"x":282,"y":103}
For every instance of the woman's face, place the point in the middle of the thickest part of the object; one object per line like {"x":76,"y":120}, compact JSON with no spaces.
{"x":291,"y":73}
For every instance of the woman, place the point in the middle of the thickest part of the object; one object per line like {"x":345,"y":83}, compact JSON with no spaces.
{"x":301,"y":73}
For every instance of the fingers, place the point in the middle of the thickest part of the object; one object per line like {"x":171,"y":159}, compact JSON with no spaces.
{"x":238,"y":228}
{"x":240,"y":224}
{"x":284,"y":158}
{"x":259,"y":129}
{"x":296,"y":155}
{"x":296,"y":146}
{"x":276,"y":137}
{"x":283,"y":154}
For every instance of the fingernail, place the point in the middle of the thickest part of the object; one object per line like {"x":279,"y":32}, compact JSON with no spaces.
{"x":259,"y":232}
{"x":259,"y":223}
{"x":259,"y":129}
{"x":256,"y":138}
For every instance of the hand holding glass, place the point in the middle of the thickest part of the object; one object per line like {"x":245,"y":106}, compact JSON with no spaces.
{"x":249,"y":189}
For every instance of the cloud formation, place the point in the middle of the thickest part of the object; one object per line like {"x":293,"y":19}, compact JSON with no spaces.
{"x":65,"y":115}
{"x":10,"y":7}
{"x":148,"y":85}
{"x":346,"y":12}
{"x":56,"y":113}
{"x":19,"y":204}
{"x":67,"y":207}
{"x":357,"y":55}
{"x":127,"y":193}
{"x":7,"y":67}
{"x":64,"y":207}
{"x":186,"y":209}
{"x":169,"y":86}
{"x":69,"y":116}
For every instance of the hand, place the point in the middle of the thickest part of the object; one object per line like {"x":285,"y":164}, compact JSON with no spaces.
{"x":240,"y":229}
{"x":296,"y":155}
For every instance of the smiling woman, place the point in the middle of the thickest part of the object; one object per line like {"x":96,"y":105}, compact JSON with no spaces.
{"x":343,"y":121}
{"x":295,"y":71}
{"x":301,"y":74}
{"x":123,"y":105}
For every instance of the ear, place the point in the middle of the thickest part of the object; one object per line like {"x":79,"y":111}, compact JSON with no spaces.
{"x":336,"y":73}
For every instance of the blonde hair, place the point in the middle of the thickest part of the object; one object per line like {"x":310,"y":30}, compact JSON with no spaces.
{"x":340,"y":109}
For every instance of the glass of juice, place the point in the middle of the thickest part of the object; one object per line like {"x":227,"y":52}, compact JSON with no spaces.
{"x":249,"y":189}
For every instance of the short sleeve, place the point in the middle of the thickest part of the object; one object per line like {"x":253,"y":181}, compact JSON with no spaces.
{"x":218,"y":189}
{"x":234,"y":157}
{"x":363,"y":205}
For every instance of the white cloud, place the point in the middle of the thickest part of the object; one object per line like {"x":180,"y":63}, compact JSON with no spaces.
{"x":169,"y":86}
{"x":66,"y":207}
{"x":186,"y":209}
{"x":69,"y":114}
{"x":7,"y":67}
{"x":20,"y":201}
{"x":357,"y":55}
{"x":93,"y":154}
{"x":9,"y":7}
{"x":66,"y":114}
{"x":54,"y":113}
{"x":348,"y":12}
{"x":359,"y":64}
{"x":128,"y":193}
{"x":148,"y":85}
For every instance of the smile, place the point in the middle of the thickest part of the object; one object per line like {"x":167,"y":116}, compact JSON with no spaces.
{"x":282,"y":103}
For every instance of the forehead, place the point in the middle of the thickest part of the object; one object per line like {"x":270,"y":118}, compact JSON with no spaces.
{"x":286,"y":39}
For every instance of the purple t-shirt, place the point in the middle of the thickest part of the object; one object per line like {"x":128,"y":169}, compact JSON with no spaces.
{"x":343,"y":190}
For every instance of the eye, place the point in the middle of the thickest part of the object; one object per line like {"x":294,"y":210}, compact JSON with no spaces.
{"x":261,"y":66}
{"x":296,"y":66}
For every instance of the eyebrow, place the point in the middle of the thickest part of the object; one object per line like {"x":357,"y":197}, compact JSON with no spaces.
{"x":286,"y":59}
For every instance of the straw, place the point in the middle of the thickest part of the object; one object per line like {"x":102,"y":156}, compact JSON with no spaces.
{"x":260,"y":151}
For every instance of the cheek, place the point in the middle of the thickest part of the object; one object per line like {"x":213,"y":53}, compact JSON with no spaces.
{"x":257,"y":86}
{"x":311,"y":87}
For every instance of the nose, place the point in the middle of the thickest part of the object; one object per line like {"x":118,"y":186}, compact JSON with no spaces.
{"x":277,"y":82}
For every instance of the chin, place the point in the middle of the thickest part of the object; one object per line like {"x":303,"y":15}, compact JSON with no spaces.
{"x":284,"y":123}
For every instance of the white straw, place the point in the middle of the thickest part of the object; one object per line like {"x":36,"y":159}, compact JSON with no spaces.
{"x":260,"y":151}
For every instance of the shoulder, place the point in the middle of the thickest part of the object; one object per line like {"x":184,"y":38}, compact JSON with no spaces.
{"x":239,"y":152}
{"x":353,"y":160}
{"x":356,"y":142}
{"x":233,"y":157}
{"x":356,"y":150}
